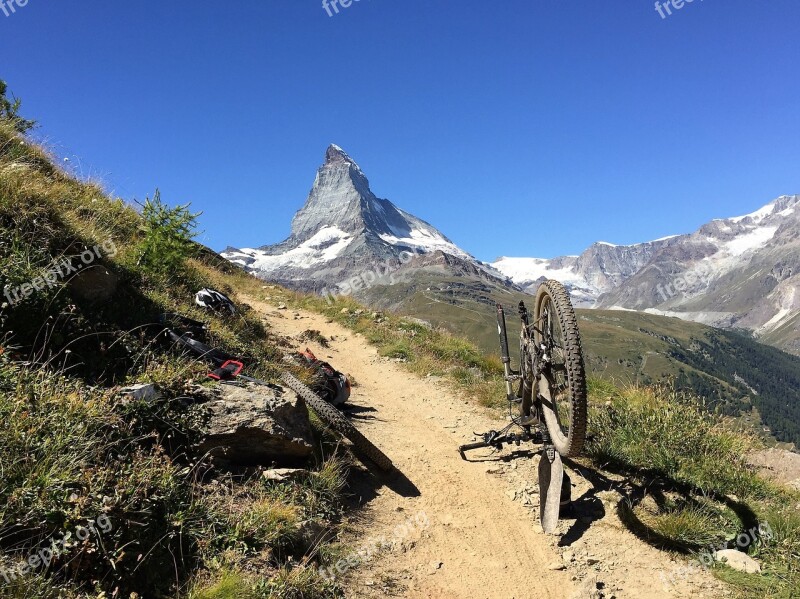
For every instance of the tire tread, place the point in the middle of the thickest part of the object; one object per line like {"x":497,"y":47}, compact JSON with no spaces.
{"x":576,"y":370}
{"x":333,"y":417}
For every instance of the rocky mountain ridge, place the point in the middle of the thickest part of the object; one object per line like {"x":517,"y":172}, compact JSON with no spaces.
{"x":741,"y":272}
{"x":344,"y":231}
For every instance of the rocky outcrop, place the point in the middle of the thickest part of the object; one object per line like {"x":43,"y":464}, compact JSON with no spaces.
{"x":737,"y":560}
{"x":255,"y":425}
{"x":778,"y":465}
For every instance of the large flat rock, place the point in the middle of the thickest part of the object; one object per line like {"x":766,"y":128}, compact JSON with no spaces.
{"x":255,"y":425}
{"x":779,"y":465}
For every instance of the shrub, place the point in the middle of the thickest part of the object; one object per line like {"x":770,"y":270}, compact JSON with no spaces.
{"x":656,"y":429}
{"x":9,"y":109}
{"x":168,"y":235}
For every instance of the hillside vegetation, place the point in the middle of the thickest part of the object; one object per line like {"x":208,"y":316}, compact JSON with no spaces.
{"x":113,"y":482}
{"x":729,"y":371}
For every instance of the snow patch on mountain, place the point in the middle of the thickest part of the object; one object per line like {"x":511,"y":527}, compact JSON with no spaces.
{"x":525,"y":271}
{"x":328,"y":243}
{"x":753,"y":240}
{"x":529,"y":272}
{"x":423,"y":240}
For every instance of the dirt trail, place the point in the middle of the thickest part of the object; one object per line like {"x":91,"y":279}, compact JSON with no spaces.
{"x":472,"y":528}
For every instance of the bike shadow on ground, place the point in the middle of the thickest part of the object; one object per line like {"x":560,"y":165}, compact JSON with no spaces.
{"x":377,"y":478}
{"x":506,"y":457}
{"x":361,"y":413}
{"x":366,"y":482}
{"x":661,"y":488}
{"x":586,"y":509}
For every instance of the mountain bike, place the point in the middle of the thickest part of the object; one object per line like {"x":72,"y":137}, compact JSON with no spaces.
{"x":550,"y":393}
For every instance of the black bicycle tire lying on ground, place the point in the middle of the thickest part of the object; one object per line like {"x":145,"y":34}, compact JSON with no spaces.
{"x":336,"y":420}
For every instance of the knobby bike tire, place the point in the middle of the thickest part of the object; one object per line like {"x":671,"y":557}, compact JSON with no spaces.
{"x":571,"y":444}
{"x":336,"y":420}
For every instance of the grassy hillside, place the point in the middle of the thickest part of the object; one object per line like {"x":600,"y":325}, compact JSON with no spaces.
{"x":463,"y":305}
{"x":115,"y":483}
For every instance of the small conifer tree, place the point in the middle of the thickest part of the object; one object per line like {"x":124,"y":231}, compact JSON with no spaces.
{"x":168,"y":235}
{"x":9,"y":110}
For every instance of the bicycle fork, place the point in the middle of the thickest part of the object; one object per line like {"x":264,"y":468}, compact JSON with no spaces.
{"x":504,"y":353}
{"x":496,"y":439}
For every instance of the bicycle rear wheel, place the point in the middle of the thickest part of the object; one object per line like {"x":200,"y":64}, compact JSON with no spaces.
{"x":336,"y":420}
{"x":562,"y":380}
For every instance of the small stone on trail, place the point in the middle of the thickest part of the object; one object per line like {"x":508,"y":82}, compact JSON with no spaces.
{"x":282,"y":474}
{"x":738,"y":561}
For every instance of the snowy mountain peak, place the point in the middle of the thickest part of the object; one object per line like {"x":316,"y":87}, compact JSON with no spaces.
{"x":336,"y":154}
{"x":343,"y":226}
{"x":340,"y":196}
{"x":608,"y":275}
{"x":336,"y":157}
{"x":783,"y":206}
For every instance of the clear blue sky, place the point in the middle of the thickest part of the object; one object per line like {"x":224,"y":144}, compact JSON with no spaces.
{"x":518,"y":127}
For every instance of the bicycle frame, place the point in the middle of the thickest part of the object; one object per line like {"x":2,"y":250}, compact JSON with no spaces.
{"x":534,"y":361}
{"x":540,"y":345}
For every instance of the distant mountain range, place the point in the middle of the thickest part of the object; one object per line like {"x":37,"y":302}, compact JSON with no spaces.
{"x":741,"y":272}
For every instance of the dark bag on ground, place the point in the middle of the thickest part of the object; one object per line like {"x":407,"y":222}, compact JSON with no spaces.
{"x":330,"y":384}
